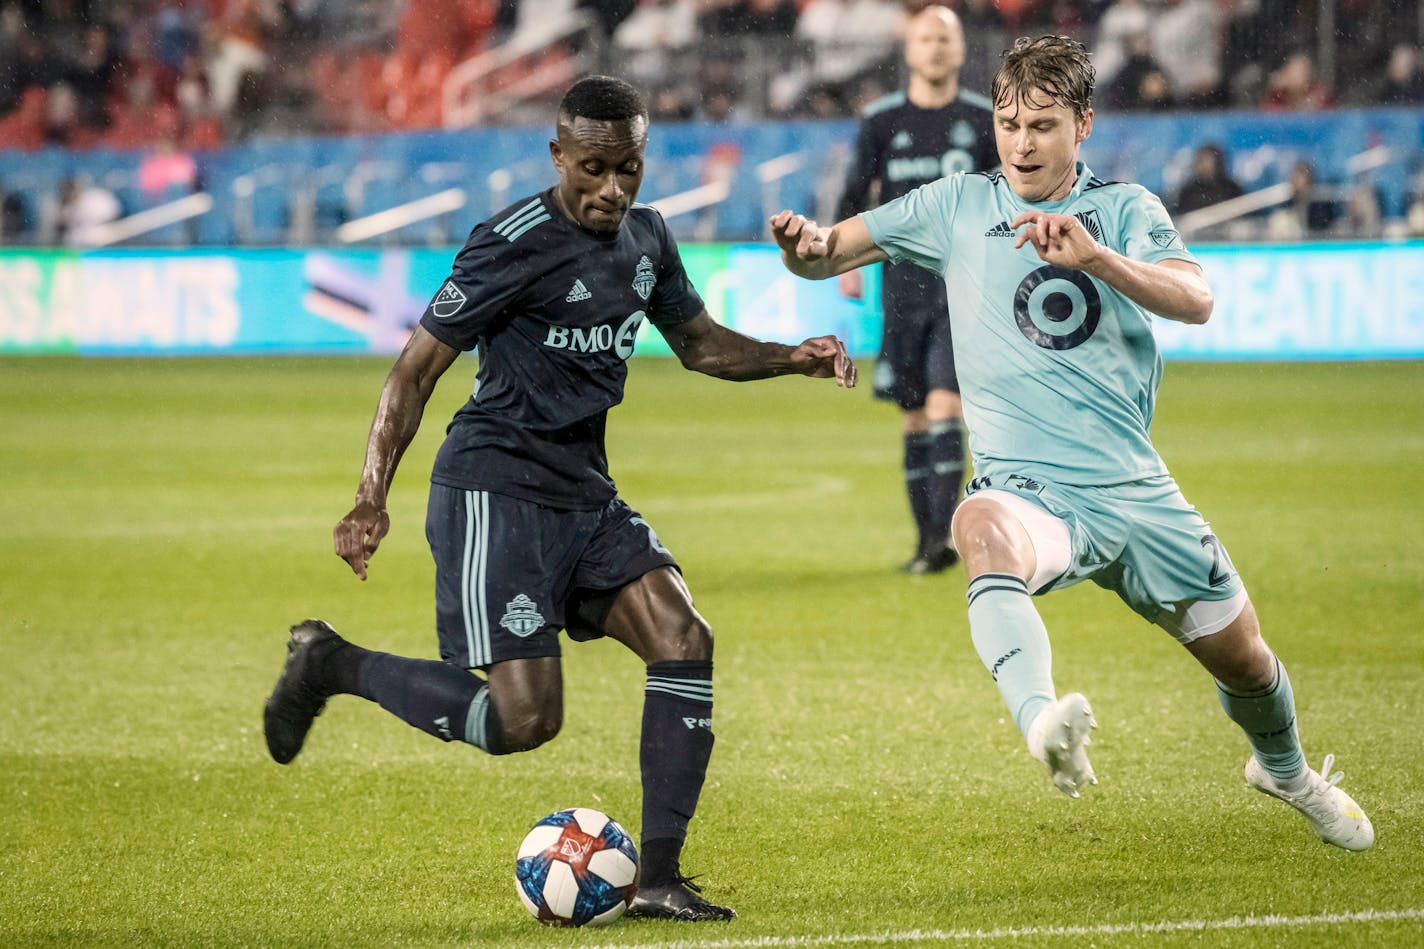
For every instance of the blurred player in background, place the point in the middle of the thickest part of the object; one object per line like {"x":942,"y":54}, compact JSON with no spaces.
{"x":1060,"y":372}
{"x":931,"y":129}
{"x":526,"y":527}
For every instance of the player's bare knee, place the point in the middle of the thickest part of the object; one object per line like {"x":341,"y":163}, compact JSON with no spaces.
{"x":979,"y":527}
{"x":528,"y":726}
{"x":690,"y":638}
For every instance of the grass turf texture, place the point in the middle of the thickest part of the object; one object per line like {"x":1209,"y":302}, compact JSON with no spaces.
{"x":164,"y":521}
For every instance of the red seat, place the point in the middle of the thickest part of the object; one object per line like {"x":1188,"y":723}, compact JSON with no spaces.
{"x":23,"y":126}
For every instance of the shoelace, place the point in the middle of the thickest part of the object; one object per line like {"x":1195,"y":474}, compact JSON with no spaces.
{"x":687,"y":882}
{"x":1330,"y":779}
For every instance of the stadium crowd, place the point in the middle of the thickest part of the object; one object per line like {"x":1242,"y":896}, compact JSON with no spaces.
{"x":129,"y":73}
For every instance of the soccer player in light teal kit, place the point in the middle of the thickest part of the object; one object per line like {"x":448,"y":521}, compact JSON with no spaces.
{"x":1054,"y":275}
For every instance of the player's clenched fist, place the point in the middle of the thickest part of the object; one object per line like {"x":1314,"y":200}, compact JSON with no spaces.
{"x":825,"y":357}
{"x":799,"y":237}
{"x":358,"y":535}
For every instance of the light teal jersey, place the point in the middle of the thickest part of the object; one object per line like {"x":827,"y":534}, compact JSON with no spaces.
{"x":1058,"y":371}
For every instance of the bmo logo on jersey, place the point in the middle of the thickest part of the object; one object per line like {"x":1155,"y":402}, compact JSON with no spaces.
{"x":597,"y":339}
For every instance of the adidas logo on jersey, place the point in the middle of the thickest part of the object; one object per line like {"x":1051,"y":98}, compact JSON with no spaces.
{"x":577,"y":293}
{"x":1001,"y":229}
{"x":902,"y":140}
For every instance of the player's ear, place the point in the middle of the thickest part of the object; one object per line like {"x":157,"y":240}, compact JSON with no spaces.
{"x":556,"y":152}
{"x":1085,"y":126}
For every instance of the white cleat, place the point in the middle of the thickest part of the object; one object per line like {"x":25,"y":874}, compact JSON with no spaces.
{"x":1059,"y":736}
{"x":1333,"y":814}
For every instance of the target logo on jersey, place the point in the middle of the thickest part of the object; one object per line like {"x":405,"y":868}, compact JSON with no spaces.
{"x":576,"y":867}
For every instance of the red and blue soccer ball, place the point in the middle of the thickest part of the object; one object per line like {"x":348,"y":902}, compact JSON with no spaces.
{"x":576,"y":867}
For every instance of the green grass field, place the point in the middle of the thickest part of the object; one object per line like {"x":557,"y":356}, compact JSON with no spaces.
{"x":163,"y":521}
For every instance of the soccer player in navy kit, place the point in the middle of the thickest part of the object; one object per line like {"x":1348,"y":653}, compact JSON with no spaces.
{"x":1064,"y":273}
{"x":527,"y":530}
{"x":907,"y":139}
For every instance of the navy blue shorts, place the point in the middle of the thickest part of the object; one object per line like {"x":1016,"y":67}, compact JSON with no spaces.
{"x":509,"y":573}
{"x":916,"y":348}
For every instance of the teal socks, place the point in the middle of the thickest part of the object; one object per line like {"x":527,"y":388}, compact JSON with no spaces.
{"x":1012,"y":643}
{"x":1268,"y":719}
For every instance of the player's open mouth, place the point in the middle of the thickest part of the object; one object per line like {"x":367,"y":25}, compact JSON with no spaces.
{"x":1027,"y":169}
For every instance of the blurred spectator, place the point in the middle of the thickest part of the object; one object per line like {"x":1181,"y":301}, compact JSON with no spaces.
{"x":239,"y":50}
{"x":983,"y":24}
{"x":1403,"y":77}
{"x":849,"y":36}
{"x":718,"y":106}
{"x":1121,"y":22}
{"x":84,"y":208}
{"x":824,"y":102}
{"x":191,"y":92}
{"x":1311,"y":212}
{"x":537,"y":21}
{"x":1245,"y":37}
{"x":34,"y":66}
{"x":1210,"y":183}
{"x":1364,"y":210}
{"x":608,"y":14}
{"x":1186,"y":39}
{"x":749,"y":36}
{"x":653,"y":35}
{"x":14,"y":216}
{"x":1141,"y":84}
{"x":61,"y":120}
{"x":91,"y":74}
{"x":175,"y":34}
{"x":670,"y":103}
{"x":143,"y":79}
{"x":1365,"y":32}
{"x":769,"y":17}
{"x":658,"y":24}
{"x":60,"y":23}
{"x":166,"y":171}
{"x":1295,"y":86}
{"x":12,"y":36}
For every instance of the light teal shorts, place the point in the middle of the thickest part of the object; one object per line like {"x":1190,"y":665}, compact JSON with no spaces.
{"x":1141,"y":539}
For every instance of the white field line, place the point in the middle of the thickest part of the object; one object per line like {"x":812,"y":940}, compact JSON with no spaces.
{"x":1105,"y":929}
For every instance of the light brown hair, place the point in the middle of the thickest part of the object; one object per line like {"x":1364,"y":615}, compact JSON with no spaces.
{"x":1056,"y":66}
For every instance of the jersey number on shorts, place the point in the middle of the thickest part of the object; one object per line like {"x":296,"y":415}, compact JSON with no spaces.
{"x":1221,"y":566}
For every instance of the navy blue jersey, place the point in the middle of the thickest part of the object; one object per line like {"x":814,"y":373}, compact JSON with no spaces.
{"x":903,"y":146}
{"x":554,"y":310}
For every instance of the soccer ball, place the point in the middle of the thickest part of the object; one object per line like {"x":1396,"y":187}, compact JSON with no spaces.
{"x":575,"y":867}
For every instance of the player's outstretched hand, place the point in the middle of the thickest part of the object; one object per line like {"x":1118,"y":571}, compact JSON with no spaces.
{"x":359,"y":534}
{"x":822,"y":357}
{"x":799,"y":237}
{"x":1058,"y":238}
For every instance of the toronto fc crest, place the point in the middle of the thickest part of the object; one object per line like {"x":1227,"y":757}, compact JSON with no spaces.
{"x":645,"y":278}
{"x":521,"y":617}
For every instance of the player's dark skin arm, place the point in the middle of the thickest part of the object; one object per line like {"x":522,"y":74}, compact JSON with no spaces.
{"x":398,"y":415}
{"x":705,"y":346}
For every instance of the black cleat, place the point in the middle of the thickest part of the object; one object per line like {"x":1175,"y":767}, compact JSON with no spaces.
{"x":294,"y":703}
{"x":936,"y":561}
{"x":678,"y":900}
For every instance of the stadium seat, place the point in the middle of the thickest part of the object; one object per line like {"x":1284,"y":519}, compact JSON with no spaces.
{"x":23,"y":126}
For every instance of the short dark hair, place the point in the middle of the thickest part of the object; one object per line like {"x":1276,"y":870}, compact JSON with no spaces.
{"x":1057,"y":65}
{"x":603,"y":99}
